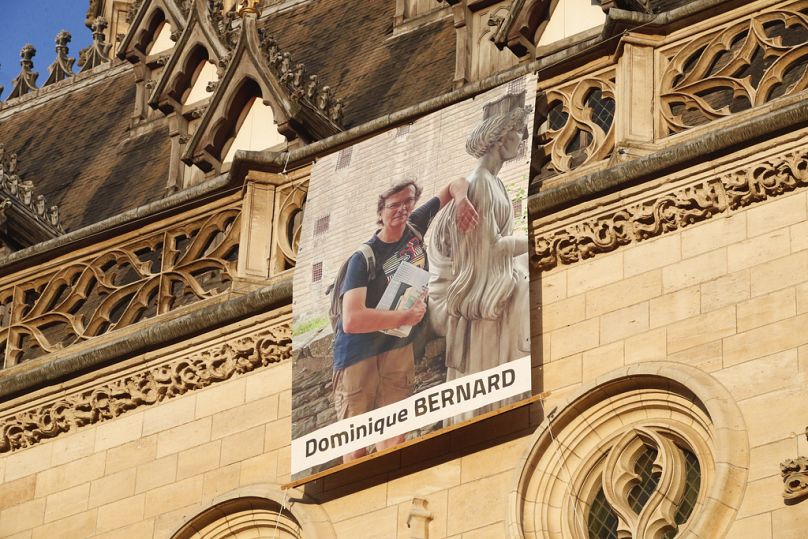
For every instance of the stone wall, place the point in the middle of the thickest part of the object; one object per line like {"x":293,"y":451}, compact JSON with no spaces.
{"x":728,"y":295}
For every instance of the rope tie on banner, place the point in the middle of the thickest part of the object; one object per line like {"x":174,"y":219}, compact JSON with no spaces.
{"x":282,"y":509}
{"x":286,"y":163}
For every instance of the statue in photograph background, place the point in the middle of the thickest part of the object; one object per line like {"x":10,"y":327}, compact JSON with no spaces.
{"x":479,"y":290}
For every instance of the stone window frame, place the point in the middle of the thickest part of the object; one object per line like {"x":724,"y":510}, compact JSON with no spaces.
{"x":687,"y":402}
{"x":292,"y":505}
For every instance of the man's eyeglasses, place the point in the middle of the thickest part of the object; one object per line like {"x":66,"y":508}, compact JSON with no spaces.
{"x":395,"y":206}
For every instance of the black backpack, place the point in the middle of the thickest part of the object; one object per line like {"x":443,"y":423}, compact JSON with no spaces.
{"x":335,"y":311}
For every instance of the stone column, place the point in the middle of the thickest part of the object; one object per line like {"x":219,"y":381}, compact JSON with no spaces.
{"x":635,"y":88}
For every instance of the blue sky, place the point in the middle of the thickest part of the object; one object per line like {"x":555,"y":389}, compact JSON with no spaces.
{"x":37,"y":22}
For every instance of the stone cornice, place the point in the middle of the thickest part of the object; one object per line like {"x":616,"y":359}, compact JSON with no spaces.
{"x":232,"y":356}
{"x":671,"y":211}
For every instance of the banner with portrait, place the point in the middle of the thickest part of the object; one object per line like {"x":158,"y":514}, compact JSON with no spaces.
{"x":411,"y":290}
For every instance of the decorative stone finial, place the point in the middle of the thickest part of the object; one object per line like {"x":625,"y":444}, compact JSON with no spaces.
{"x":26,"y":80}
{"x":62,"y":66}
{"x":248,"y":7}
{"x":97,"y":53}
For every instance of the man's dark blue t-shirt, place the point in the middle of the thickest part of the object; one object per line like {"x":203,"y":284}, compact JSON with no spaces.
{"x":350,"y":348}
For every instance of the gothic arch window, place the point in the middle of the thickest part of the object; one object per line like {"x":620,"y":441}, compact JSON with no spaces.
{"x":203,"y":76}
{"x":255,"y":132}
{"x":655,"y":451}
{"x":260,"y":510}
{"x":185,"y":85}
{"x":242,"y":518}
{"x":567,"y":18}
{"x":245,"y":126}
{"x":152,"y":34}
{"x":162,"y":39}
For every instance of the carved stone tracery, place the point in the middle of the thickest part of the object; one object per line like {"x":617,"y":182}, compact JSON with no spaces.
{"x":151,"y":386}
{"x":119,"y":286}
{"x":740,"y":67}
{"x":580,"y":125}
{"x":672,"y":211}
{"x":621,"y":479}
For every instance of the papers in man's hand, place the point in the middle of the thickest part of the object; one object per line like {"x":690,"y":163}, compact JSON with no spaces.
{"x":408,"y":285}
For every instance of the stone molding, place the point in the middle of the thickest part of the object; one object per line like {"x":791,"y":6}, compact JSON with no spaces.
{"x":311,"y":516}
{"x":155,"y":384}
{"x":671,"y":211}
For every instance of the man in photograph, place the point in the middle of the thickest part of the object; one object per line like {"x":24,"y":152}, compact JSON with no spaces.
{"x":371,"y":368}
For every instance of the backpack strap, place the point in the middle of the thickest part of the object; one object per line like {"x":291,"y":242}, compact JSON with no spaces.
{"x":370,"y":259}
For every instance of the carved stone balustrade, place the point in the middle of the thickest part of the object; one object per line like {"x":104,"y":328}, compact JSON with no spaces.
{"x":660,"y":84}
{"x":109,"y":286}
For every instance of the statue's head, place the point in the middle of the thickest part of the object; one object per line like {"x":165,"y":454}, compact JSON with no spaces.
{"x":495,"y":130}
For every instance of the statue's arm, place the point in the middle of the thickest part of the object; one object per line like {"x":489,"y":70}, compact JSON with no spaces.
{"x":465,"y":213}
{"x":512,"y":246}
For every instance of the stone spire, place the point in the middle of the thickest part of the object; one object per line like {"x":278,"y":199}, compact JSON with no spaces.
{"x":97,"y":53}
{"x":26,"y":80}
{"x":62,"y":66}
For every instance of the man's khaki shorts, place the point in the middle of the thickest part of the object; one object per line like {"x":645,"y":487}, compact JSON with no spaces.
{"x":374,"y":382}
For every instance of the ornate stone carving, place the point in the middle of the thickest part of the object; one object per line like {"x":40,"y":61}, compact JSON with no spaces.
{"x":62,"y":66}
{"x":291,"y":200}
{"x":97,"y":53}
{"x":795,"y":478}
{"x":743,"y":66}
{"x":26,"y":80}
{"x":130,"y":13}
{"x":672,"y":211}
{"x":142,"y":278}
{"x":23,"y":193}
{"x":300,"y":86}
{"x":226,"y":23}
{"x":580,"y":125}
{"x":620,"y":477}
{"x":153,"y":385}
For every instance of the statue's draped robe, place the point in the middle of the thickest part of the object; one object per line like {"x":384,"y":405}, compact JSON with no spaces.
{"x":479,"y":292}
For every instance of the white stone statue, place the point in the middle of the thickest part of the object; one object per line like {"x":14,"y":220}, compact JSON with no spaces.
{"x":479,"y":289}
